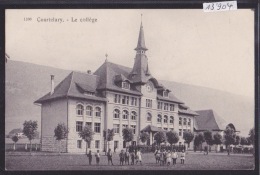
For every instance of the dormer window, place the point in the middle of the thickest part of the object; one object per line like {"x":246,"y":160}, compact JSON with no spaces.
{"x":165,"y":94}
{"x":125,"y":85}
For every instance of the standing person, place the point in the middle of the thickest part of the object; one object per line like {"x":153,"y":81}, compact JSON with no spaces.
{"x":168,"y":158}
{"x":161,"y":157}
{"x":121,"y":157}
{"x":89,"y":157}
{"x":174,"y":157}
{"x":138,"y":157}
{"x":182,"y":157}
{"x":132,"y":157}
{"x":157,"y":155}
{"x":127,"y":156}
{"x":164,"y":156}
{"x":97,"y":157}
{"x":109,"y":156}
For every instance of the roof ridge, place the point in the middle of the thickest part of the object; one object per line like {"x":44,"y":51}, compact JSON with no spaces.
{"x":70,"y":83}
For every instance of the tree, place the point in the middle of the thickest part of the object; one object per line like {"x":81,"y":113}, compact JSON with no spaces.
{"x":172,"y":137}
{"x":61,"y":133}
{"x":30,"y":130}
{"x":217,"y":139}
{"x":251,"y":138}
{"x":15,"y":139}
{"x":144,"y":136}
{"x":229,"y":136}
{"x":208,"y":138}
{"x":188,"y":137}
{"x":128,"y":134}
{"x":109,"y":135}
{"x":199,"y":139}
{"x":160,"y":137}
{"x":243,"y":141}
{"x":87,"y":135}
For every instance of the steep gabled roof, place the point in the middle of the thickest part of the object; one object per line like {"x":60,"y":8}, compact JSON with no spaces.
{"x":108,"y":72}
{"x":209,"y":120}
{"x":74,"y":85}
{"x":171,"y":98}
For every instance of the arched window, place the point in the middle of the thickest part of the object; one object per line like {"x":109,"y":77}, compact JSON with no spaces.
{"x":184,"y":121}
{"x":89,"y":110}
{"x":171,"y":119}
{"x":79,"y":109}
{"x":180,"y":121}
{"x":165,"y":119}
{"x":98,"y":112}
{"x":149,"y":117}
{"x":133,"y":115}
{"x":159,"y":118}
{"x":125,"y":114}
{"x":116,"y":113}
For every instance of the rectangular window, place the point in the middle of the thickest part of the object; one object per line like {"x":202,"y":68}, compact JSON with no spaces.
{"x":79,"y":143}
{"x":125,"y":100}
{"x":180,"y":132}
{"x":171,"y":129}
{"x":133,"y":127}
{"x":184,"y":130}
{"x":117,"y":98}
{"x":116,"y":144}
{"x":165,"y":93}
{"x":165,"y":129}
{"x":134,"y":101}
{"x":149,"y":103}
{"x":166,"y":106}
{"x":97,"y":144}
{"x":79,"y":126}
{"x":125,"y":85}
{"x":159,"y":105}
{"x":89,"y":124}
{"x":189,"y":121}
{"x":171,"y":107}
{"x":116,"y":128}
{"x":188,"y":130}
{"x":97,"y":128}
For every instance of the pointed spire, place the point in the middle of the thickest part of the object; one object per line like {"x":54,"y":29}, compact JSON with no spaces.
{"x":106,"y":57}
{"x":141,"y":42}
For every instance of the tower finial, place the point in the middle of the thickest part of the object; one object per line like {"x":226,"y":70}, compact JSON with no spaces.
{"x":141,"y":18}
{"x":106,"y":56}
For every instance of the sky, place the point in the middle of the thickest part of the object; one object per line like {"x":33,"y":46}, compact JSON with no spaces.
{"x":214,"y":50}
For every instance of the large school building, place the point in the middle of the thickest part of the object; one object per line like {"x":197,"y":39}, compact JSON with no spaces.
{"x":113,"y":97}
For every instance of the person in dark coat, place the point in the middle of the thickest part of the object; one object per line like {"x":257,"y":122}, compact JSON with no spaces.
{"x":109,"y":156}
{"x":89,"y":157}
{"x":122,"y":157}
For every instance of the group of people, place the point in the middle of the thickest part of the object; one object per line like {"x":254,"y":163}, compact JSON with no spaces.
{"x":165,"y":158}
{"x":124,"y":157}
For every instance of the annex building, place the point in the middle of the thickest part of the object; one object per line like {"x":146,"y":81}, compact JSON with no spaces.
{"x":113,"y":97}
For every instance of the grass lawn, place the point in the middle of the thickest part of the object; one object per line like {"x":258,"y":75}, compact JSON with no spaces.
{"x":198,"y":161}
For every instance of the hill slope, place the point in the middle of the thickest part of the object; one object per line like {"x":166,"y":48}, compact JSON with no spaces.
{"x":26,"y":82}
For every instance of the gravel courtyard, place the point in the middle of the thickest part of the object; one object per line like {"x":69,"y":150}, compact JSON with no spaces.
{"x":194,"y":161}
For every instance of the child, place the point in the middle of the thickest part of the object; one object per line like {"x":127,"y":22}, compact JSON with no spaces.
{"x":157,"y":155}
{"x":138,"y":157}
{"x":174,"y":157}
{"x":168,"y":158}
{"x":122,"y":156}
{"x":97,"y":157}
{"x":161,"y":158}
{"x":89,"y":157}
{"x":164,"y":156}
{"x":132,"y":158}
{"x":127,"y":156}
{"x":109,"y":156}
{"x":182,"y":157}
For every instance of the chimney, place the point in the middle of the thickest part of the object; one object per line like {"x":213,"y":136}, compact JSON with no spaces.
{"x":52,"y":84}
{"x":89,"y":71}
